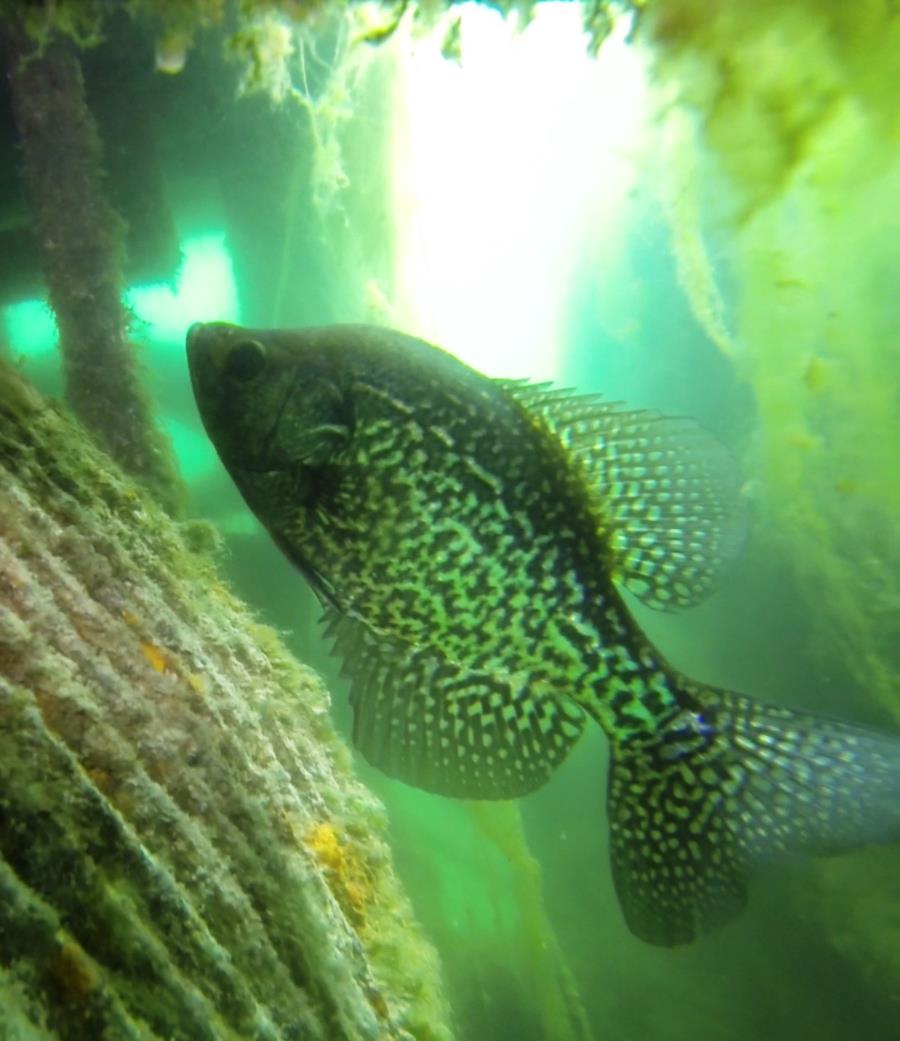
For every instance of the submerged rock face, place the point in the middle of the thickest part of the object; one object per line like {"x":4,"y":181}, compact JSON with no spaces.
{"x":184,"y":852}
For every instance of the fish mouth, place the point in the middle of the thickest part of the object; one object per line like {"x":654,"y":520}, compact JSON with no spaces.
{"x":206,"y":345}
{"x":193,"y":335}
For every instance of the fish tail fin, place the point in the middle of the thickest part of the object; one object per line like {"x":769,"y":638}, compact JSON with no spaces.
{"x":726,"y":784}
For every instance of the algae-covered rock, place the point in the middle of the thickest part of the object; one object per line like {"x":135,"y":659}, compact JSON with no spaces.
{"x":184,"y":852}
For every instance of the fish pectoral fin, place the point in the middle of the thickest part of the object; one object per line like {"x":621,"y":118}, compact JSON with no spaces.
{"x":666,"y":492}
{"x":730,"y":784}
{"x":437,"y":725}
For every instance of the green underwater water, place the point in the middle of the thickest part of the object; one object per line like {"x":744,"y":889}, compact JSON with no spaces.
{"x":518,"y":899}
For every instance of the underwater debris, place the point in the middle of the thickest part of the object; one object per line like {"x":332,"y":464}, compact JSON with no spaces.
{"x":263,"y":49}
{"x":451,"y":48}
{"x":382,"y":33}
{"x":154,"y":739}
{"x":257,"y":30}
{"x":695,"y":268}
{"x":171,"y":52}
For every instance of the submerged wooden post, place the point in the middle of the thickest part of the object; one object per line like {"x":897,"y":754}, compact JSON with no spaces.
{"x":80,"y":242}
{"x":184,"y":851}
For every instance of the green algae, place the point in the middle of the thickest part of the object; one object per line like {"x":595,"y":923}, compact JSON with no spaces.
{"x":788,"y":124}
{"x":811,"y":234}
{"x":766,"y":79}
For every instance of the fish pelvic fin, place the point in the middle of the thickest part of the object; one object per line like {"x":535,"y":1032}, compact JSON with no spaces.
{"x":727,"y":784}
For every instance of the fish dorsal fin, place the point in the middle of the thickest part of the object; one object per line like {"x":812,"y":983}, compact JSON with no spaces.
{"x":665,"y":489}
{"x":439,"y":726}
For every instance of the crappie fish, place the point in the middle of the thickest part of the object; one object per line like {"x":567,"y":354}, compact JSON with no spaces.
{"x":467,"y":536}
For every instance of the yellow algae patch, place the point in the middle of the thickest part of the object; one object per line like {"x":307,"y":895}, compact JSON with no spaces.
{"x":155,"y":655}
{"x":75,"y":972}
{"x":196,"y":682}
{"x":161,"y":660}
{"x":348,"y":877}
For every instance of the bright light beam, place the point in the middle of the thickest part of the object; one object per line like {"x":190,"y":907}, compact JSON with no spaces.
{"x":205,"y":290}
{"x":30,"y":328}
{"x":507,"y":169}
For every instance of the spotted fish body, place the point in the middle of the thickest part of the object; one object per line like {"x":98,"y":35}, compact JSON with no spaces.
{"x":466,"y":536}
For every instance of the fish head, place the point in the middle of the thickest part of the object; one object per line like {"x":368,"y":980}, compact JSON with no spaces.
{"x":272,"y":402}
{"x":300,"y":419}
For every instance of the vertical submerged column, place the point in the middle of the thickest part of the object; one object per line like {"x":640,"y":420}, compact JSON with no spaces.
{"x":80,"y":243}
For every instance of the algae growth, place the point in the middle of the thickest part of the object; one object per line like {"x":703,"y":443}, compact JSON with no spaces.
{"x":809,"y":151}
{"x":168,"y":771}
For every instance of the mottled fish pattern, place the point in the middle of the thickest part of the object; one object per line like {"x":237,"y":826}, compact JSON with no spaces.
{"x":467,"y":537}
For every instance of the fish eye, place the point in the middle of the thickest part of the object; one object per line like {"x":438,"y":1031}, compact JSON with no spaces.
{"x":245,"y":361}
